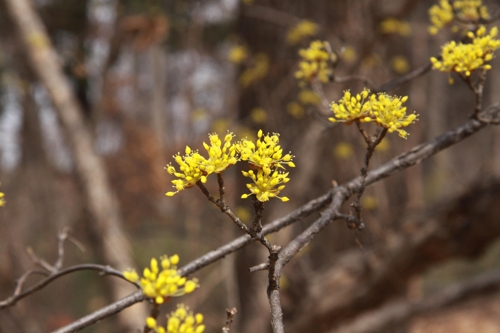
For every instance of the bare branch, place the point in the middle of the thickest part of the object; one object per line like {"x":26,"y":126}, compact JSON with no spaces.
{"x":105,"y":312}
{"x":229,"y":320}
{"x":104,"y":270}
{"x":405,"y":78}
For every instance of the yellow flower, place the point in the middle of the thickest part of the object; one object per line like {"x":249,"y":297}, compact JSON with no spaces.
{"x":256,"y":72}
{"x":385,"y":110}
{"x":394,"y":26}
{"x":388,"y":111}
{"x":315,"y":52}
{"x":443,"y":14}
{"x":180,"y":321}
{"x":237,"y":54}
{"x":314,"y":64}
{"x":189,"y":171}
{"x":220,"y":157}
{"x":440,"y":16}
{"x":165,"y":283}
{"x":266,"y":186}
{"x":350,"y":108}
{"x":265,"y":154}
{"x":2,"y":200}
{"x":471,"y":10}
{"x":466,"y":58}
{"x":300,"y":31}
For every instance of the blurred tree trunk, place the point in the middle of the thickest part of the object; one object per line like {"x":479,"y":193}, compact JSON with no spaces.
{"x":101,"y":201}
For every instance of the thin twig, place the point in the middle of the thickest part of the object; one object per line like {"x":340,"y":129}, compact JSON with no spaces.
{"x":104,"y":270}
{"x":355,"y":77}
{"x":405,"y":78}
{"x":260,"y":267}
{"x":230,"y":313}
{"x":61,"y":237}
{"x":222,"y":189}
{"x":259,"y":212}
{"x":105,"y":312}
{"x":372,"y":143}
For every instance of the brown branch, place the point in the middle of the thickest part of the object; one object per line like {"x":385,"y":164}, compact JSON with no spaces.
{"x":229,"y":319}
{"x":105,"y":312}
{"x":405,"y":78}
{"x":18,"y":295}
{"x":372,"y":143}
{"x":397,"y":313}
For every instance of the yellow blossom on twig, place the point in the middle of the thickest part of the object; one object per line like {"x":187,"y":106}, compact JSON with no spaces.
{"x":314,"y":64}
{"x":193,"y":167}
{"x":385,"y":110}
{"x":350,"y":108}
{"x":266,"y":186}
{"x":265,"y":154}
{"x":388,"y":111}
{"x":180,"y":321}
{"x":162,"y":284}
{"x":189,"y":170}
{"x":466,"y":58}
{"x":220,"y":157}
{"x":443,"y":14}
{"x":300,"y":31}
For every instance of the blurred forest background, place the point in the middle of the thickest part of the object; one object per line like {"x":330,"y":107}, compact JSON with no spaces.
{"x":154,"y":76}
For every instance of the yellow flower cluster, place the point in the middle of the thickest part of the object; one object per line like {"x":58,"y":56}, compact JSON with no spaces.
{"x":2,"y":200}
{"x":162,"y":284}
{"x":350,"y":108}
{"x":466,"y":58}
{"x":385,"y":110}
{"x":442,"y":14}
{"x":193,"y":167}
{"x":237,"y":54}
{"x":388,"y":111}
{"x":300,"y":31}
{"x":180,"y":321}
{"x":256,"y":72}
{"x":266,"y":157}
{"x":314,"y":64}
{"x":394,"y":26}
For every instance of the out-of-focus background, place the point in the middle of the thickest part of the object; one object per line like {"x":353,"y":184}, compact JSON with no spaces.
{"x":154,"y":76}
